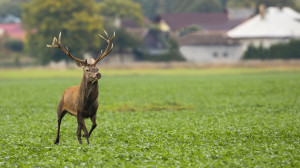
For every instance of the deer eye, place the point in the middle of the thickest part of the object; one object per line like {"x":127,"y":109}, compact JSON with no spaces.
{"x":87,"y":70}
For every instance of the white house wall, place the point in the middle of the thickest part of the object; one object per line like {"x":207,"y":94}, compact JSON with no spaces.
{"x":221,"y":53}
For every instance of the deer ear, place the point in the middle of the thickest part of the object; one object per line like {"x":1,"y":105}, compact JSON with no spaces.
{"x":78,"y":64}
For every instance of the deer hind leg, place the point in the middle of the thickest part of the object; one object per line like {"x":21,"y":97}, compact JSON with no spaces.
{"x":60,"y":115}
{"x":94,"y":124}
{"x":79,"y":130}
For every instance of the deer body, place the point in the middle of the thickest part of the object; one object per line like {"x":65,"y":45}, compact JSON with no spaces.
{"x":81,"y":101}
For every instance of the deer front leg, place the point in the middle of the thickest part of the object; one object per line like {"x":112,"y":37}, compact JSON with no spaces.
{"x":83,"y":127}
{"x":94,"y":124}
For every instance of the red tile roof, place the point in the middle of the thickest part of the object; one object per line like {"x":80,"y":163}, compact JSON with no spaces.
{"x":207,"y":21}
{"x":199,"y":38}
{"x":129,"y":24}
{"x":14,"y":30}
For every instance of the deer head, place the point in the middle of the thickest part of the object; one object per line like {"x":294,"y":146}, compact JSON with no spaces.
{"x":89,"y":69}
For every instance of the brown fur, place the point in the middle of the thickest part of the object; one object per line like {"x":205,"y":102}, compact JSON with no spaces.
{"x":81,"y":101}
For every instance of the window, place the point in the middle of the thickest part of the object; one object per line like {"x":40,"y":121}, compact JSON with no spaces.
{"x":225,"y":54}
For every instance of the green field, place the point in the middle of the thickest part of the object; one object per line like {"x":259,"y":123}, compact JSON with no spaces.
{"x":155,"y":118}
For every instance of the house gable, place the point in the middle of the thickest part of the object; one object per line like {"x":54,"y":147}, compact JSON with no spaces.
{"x":276,"y":23}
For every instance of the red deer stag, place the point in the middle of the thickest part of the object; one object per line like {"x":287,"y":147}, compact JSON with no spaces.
{"x":81,"y":101}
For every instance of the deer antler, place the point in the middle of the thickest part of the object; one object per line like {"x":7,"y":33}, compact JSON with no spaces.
{"x":108,"y":48}
{"x":57,"y":44}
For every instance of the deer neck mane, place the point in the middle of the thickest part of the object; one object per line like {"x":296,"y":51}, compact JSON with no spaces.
{"x":88,"y":90}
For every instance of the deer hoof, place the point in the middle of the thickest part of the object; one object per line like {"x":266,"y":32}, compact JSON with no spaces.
{"x":56,"y":141}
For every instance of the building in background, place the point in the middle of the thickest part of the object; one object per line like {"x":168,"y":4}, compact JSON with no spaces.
{"x":271,"y":26}
{"x":224,"y":37}
{"x":199,"y":47}
{"x":209,"y":23}
{"x":13,"y":31}
{"x":202,"y":37}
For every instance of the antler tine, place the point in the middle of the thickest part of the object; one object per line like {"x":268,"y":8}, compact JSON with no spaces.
{"x":108,"y":48}
{"x":103,"y":37}
{"x":59,"y":37}
{"x":106,"y":34}
{"x":53,"y":44}
{"x":114,"y":35}
{"x":54,"y":39}
{"x":66,"y":51}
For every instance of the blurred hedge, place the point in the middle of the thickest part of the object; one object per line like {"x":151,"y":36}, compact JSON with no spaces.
{"x":289,"y":50}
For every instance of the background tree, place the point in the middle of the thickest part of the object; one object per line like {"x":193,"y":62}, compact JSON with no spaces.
{"x":241,"y":3}
{"x":255,"y":3}
{"x":125,"y":41}
{"x":11,"y":7}
{"x":149,"y":7}
{"x":125,"y":9}
{"x":77,"y":20}
{"x":289,"y":50}
{"x":154,"y":7}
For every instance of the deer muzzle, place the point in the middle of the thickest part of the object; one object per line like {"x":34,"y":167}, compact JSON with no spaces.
{"x":98,"y":75}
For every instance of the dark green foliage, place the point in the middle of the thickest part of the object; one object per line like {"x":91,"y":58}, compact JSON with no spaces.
{"x":11,"y":7}
{"x":154,"y":7}
{"x":125,"y":40}
{"x":77,"y":20}
{"x":125,"y":9}
{"x":150,"y":8}
{"x":195,"y":6}
{"x":14,"y":45}
{"x":161,"y":42}
{"x":289,"y":50}
{"x":208,"y":6}
{"x":190,"y":29}
{"x":173,"y":55}
{"x":172,"y":52}
{"x":286,"y":51}
{"x":178,"y":120}
{"x":251,"y":52}
{"x":276,"y":2}
{"x":255,"y":3}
